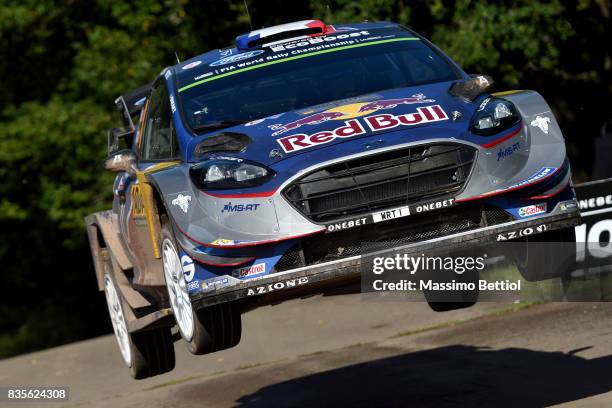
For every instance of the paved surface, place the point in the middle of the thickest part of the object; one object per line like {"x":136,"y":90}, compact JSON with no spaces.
{"x":346,"y":351}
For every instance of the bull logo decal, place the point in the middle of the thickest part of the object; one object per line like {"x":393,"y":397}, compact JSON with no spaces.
{"x":182,"y":201}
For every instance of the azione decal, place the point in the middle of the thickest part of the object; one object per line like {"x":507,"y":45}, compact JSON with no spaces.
{"x":354,"y":127}
{"x":349,"y":111}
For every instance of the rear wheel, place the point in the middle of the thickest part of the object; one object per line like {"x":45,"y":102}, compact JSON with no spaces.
{"x":147,"y":353}
{"x":207,"y":330}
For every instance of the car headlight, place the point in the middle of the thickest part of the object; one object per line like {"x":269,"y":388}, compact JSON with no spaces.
{"x":217,"y":174}
{"x":494,"y":115}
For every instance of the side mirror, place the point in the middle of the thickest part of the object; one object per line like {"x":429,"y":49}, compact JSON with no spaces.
{"x":118,"y":139}
{"x":123,"y":160}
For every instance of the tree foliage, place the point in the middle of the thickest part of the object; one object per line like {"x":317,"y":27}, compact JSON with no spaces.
{"x":64,"y":62}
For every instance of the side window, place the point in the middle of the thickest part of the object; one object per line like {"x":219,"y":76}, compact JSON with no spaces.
{"x":159,"y":140}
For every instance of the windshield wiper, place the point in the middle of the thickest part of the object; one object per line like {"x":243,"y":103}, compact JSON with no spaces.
{"x":218,"y":125}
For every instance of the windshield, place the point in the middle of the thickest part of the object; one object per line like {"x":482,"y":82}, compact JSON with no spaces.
{"x":286,"y":77}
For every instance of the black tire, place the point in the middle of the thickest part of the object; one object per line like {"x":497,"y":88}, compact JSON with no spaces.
{"x":216,"y":327}
{"x":448,"y":306}
{"x":544,"y":256}
{"x":150,"y":352}
{"x":455,"y":299}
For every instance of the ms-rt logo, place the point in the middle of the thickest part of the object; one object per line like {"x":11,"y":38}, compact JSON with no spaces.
{"x":232,"y":208}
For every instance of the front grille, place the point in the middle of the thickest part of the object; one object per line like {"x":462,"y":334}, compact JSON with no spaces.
{"x":387,"y":235}
{"x":381,"y":181}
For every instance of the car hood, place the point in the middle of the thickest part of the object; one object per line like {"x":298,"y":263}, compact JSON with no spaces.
{"x":348,"y":125}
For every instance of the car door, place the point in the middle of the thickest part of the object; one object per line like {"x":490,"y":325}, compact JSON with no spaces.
{"x":156,"y":146}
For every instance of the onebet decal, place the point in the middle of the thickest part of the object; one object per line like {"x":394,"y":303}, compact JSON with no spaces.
{"x":354,"y":127}
{"x":249,"y":270}
{"x":338,"y":226}
{"x":390,"y":214}
{"x":239,"y":207}
{"x":532,"y":210}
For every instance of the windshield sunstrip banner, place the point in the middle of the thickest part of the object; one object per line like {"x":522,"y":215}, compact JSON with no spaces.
{"x":260,"y":61}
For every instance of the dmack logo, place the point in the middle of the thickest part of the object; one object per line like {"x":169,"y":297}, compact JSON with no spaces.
{"x":239,"y":207}
{"x":354,"y":127}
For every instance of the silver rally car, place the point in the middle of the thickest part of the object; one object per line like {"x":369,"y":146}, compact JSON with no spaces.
{"x":268,"y":170}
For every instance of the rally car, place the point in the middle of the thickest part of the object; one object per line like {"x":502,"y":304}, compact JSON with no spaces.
{"x":263,"y":171}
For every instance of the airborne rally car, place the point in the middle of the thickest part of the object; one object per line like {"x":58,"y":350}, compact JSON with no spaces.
{"x":260,"y":172}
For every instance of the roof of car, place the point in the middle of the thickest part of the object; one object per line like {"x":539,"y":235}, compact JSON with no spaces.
{"x":240,"y":48}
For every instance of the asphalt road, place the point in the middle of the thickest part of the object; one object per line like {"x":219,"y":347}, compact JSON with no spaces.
{"x":349,"y":351}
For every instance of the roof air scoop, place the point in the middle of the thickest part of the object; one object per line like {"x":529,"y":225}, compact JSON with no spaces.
{"x":291,"y":31}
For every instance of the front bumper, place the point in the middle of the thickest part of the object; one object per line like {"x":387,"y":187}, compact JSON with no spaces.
{"x":312,"y":279}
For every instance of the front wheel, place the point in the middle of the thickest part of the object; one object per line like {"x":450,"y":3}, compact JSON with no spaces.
{"x":545,"y":256}
{"x":207,"y":330}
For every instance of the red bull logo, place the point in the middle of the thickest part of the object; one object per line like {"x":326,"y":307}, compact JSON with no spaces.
{"x":344,"y":112}
{"x":354,"y":127}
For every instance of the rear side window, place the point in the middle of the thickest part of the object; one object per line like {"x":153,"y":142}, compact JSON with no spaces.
{"x":159,"y":142}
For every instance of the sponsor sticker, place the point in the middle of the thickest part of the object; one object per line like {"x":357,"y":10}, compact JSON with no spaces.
{"x":172,"y":104}
{"x":568,"y":205}
{"x":272,"y":287}
{"x":339,"y":226}
{"x":188,"y":267}
{"x":541,"y":122}
{"x":530,"y":210}
{"x":508,"y":151}
{"x":192,"y":64}
{"x":348,"y":111}
{"x":214,"y":283}
{"x":235,"y":58}
{"x":231,"y":208}
{"x":542,"y":173}
{"x":525,"y":232}
{"x":255,"y":269}
{"x":193,"y":286}
{"x":305,"y":42}
{"x":205,"y":75}
{"x":354,"y":127}
{"x":182,"y":201}
{"x":390,"y":214}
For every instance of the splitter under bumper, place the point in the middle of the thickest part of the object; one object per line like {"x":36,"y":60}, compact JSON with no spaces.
{"x":310,"y":279}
